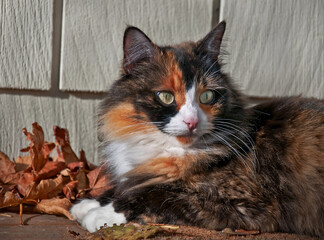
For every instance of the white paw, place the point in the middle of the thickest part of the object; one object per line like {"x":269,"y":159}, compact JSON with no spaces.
{"x":79,"y":210}
{"x":100,"y":216}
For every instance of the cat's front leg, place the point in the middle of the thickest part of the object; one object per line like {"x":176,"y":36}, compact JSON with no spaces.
{"x":92,"y":216}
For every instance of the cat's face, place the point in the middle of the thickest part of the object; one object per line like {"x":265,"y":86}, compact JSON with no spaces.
{"x":178,"y":90}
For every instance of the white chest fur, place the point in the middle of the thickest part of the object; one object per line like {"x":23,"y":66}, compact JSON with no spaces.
{"x":125,"y":154}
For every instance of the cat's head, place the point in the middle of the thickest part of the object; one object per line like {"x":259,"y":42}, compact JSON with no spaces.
{"x":177,"y":90}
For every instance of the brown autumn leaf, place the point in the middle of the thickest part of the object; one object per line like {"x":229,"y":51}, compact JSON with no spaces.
{"x":98,"y":181}
{"x":50,"y":169}
{"x":23,"y":181}
{"x":7,"y":168}
{"x":9,"y":198}
{"x":46,"y":188}
{"x":66,"y":172}
{"x":87,"y":165}
{"x":70,"y":190}
{"x":22,"y":163}
{"x":83,"y":183}
{"x":57,"y":206}
{"x":36,"y":139}
{"x":83,"y":159}
{"x":62,"y":140}
{"x":48,"y":148}
{"x":75,"y":166}
{"x":78,"y":173}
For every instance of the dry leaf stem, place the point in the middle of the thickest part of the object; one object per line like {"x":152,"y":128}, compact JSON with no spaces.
{"x":21,"y":213}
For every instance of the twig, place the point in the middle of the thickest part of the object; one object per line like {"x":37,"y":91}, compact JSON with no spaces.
{"x":21,"y":213}
{"x":5,"y":215}
{"x":164,"y":225}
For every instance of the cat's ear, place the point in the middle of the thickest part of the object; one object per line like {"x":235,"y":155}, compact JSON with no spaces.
{"x":211,"y":44}
{"x":137,"y":47}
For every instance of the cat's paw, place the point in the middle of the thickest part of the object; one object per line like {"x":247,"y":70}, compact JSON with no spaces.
{"x":97,"y":217}
{"x":79,"y":210}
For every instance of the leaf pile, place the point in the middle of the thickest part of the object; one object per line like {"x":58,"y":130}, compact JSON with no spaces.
{"x":51,"y":176}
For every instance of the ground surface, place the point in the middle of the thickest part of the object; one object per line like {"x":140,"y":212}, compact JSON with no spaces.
{"x":42,"y":226}
{"x":37,"y":226}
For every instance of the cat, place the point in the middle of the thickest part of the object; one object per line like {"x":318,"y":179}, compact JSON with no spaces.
{"x":183,"y":147}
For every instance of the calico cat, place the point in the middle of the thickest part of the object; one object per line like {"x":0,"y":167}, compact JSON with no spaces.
{"x":184,"y":148}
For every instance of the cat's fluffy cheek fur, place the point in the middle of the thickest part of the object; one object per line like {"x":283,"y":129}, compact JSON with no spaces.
{"x":100,"y":216}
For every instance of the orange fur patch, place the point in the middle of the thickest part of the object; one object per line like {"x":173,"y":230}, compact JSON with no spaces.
{"x":171,"y":168}
{"x":185,"y":140}
{"x":123,"y":120}
{"x":173,"y":82}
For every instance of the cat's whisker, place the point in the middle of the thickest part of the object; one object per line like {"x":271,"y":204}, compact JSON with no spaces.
{"x":240,"y":156}
{"x":244,"y":134}
{"x":249,"y":149}
{"x":207,"y":146}
{"x":207,"y":73}
{"x":237,"y":128}
{"x":235,"y":152}
{"x":228,"y":119}
{"x":212,"y":75}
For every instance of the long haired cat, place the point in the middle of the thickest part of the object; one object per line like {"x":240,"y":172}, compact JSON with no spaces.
{"x":183,"y":147}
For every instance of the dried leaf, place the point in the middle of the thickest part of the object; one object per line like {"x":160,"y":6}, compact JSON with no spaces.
{"x":83,"y":159}
{"x":24,"y":180}
{"x":47,"y":188}
{"x":36,"y":145}
{"x":78,"y":173}
{"x":37,"y":137}
{"x":66,"y":172}
{"x":98,"y":181}
{"x":55,"y":206}
{"x":62,"y":140}
{"x":83,"y":183}
{"x":75,"y":166}
{"x":38,"y":159}
{"x":127,"y":231}
{"x":48,"y":148}
{"x":93,"y":176}
{"x":7,"y":168}
{"x":50,"y":169}
{"x":70,"y":190}
{"x":9,"y":198}
{"x":22,"y":163}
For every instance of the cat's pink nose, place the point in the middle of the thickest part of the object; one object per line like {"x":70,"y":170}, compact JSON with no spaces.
{"x":191,"y":123}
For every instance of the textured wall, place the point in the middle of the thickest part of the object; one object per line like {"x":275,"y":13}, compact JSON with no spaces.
{"x":93,"y":33}
{"x":26,"y":44}
{"x":276,"y":47}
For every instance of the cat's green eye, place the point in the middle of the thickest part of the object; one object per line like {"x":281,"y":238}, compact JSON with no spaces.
{"x":166,"y":98}
{"x":207,"y":97}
